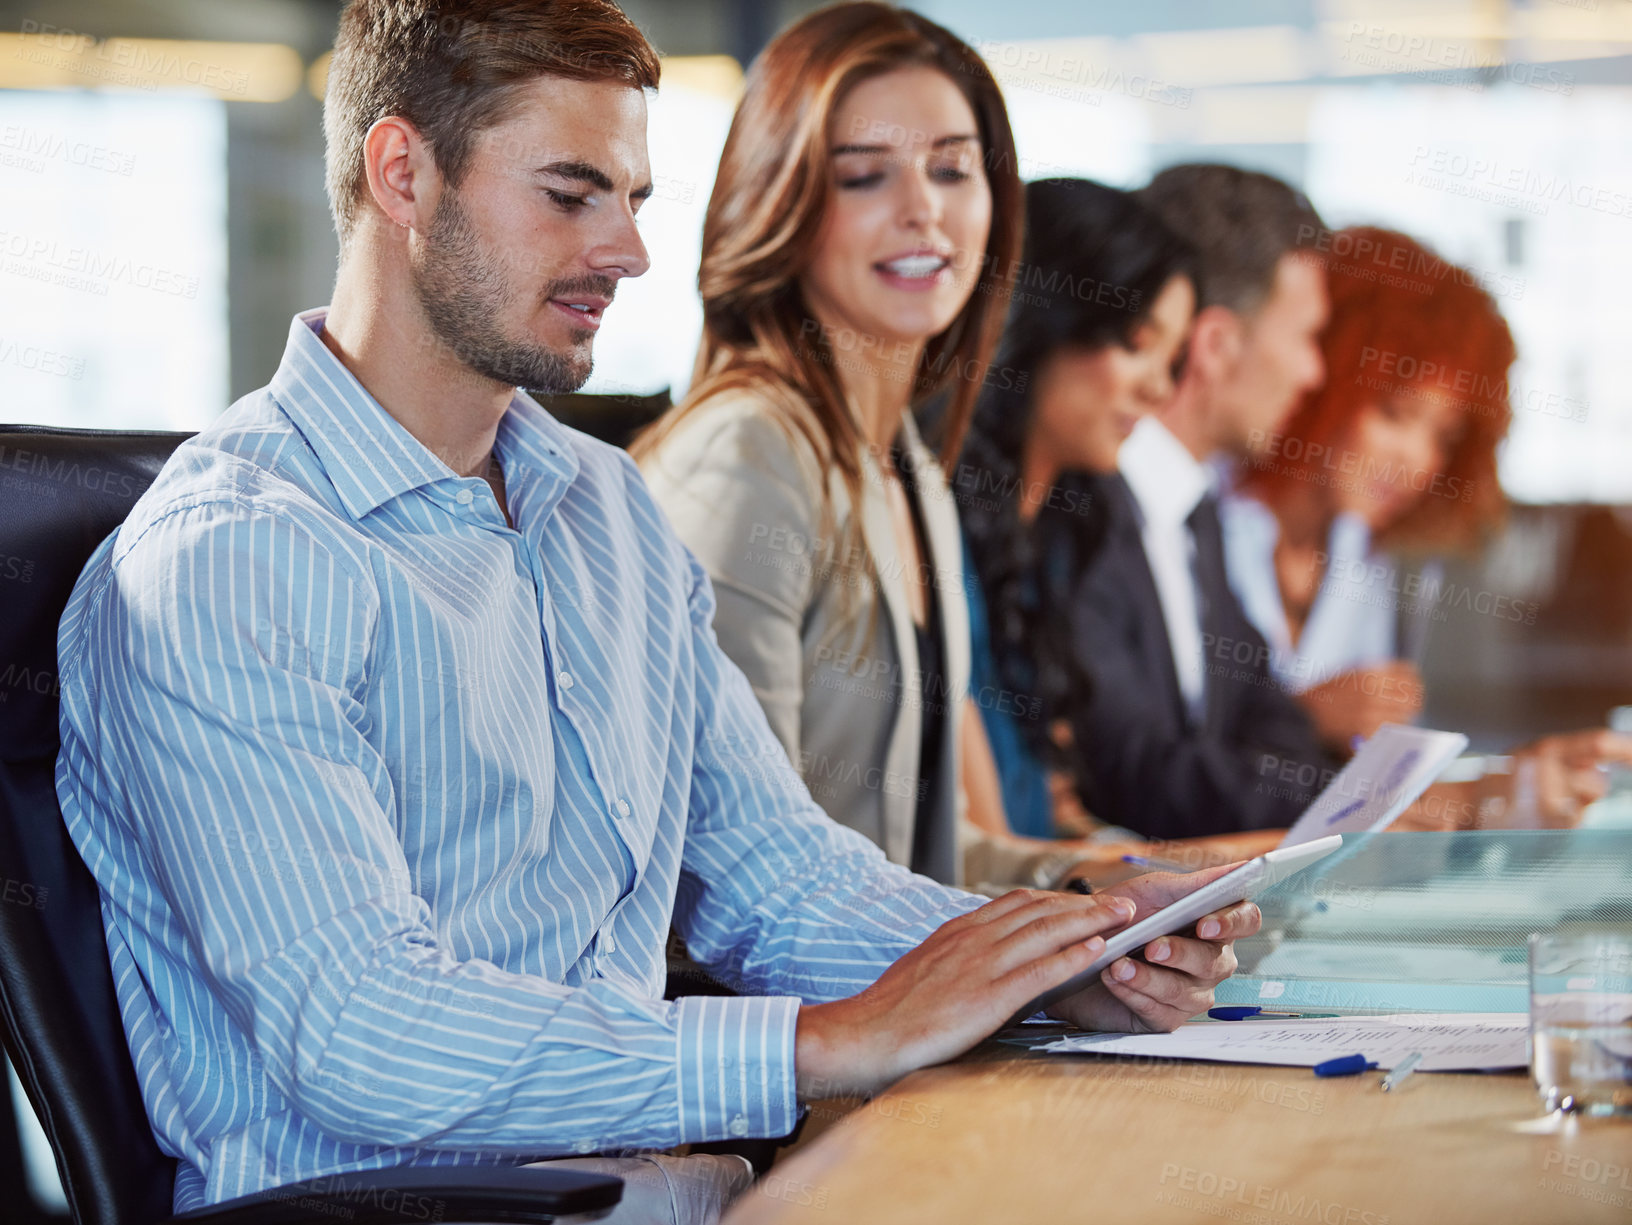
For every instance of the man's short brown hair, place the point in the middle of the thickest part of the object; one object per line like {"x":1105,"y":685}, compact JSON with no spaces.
{"x":1240,"y":221}
{"x":450,"y":68}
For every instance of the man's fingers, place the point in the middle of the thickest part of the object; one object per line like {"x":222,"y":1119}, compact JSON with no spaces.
{"x":1200,"y":959}
{"x":1586,"y":748}
{"x":1035,"y":975}
{"x":1158,"y":1014}
{"x":996,"y":909}
{"x":1101,"y":913}
{"x":1151,"y":990}
{"x":1235,"y":922}
{"x":1589,"y":785}
{"x":1158,"y":889}
{"x":1049,"y":933}
{"x":1598,"y":745}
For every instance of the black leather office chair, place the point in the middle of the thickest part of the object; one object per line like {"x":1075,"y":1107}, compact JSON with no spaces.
{"x":611,"y":418}
{"x":61,"y":493}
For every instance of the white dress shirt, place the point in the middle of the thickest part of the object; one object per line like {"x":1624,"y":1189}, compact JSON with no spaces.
{"x":1169,"y":483}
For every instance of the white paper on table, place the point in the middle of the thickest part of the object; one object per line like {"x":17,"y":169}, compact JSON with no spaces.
{"x":1380,"y":782}
{"x":1449,"y":1041}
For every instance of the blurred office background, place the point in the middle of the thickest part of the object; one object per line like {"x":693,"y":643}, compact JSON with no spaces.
{"x":162,"y":216}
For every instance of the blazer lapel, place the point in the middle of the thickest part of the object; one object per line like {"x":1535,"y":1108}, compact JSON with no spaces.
{"x":945,"y":560}
{"x":1126,"y":535}
{"x":901,"y":755}
{"x":943,"y":546}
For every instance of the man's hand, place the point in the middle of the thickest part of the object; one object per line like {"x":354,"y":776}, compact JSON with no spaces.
{"x":1554,"y":778}
{"x":953,"y":990}
{"x":1546,"y":785}
{"x":1357,"y":703}
{"x":974,"y":972}
{"x":1135,"y":997}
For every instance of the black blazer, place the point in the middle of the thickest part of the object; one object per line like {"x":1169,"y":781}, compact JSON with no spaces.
{"x":1254,"y":762}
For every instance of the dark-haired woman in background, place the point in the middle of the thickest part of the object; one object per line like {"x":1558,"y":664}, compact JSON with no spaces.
{"x":1102,"y":307}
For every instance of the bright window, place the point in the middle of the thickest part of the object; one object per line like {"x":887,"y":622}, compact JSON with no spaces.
{"x":1533,"y":191}
{"x":113,"y":260}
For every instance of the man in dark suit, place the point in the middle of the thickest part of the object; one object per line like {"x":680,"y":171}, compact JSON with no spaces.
{"x":1188,"y":733}
{"x":1248,"y":760}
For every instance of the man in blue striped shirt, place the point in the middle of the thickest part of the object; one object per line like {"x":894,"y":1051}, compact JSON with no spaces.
{"x":396,"y":735}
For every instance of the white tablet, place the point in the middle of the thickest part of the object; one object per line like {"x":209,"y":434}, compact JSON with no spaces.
{"x":1249,"y":880}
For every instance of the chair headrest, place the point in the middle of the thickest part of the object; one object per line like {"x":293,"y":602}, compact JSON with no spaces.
{"x":61,"y":493}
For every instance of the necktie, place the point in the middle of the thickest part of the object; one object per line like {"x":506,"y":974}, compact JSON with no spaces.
{"x":1212,"y":584}
{"x":1211,"y":588}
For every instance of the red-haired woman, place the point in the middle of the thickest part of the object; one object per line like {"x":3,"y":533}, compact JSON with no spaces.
{"x":1394,"y":456}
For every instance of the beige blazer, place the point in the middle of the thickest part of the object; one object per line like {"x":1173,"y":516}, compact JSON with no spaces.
{"x":744,"y":489}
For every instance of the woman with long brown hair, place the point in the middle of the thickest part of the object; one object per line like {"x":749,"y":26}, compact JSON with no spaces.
{"x":857,"y":253}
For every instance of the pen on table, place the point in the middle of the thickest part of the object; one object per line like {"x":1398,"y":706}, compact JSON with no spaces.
{"x":1402,"y":1071}
{"x":1161,"y":865}
{"x":1240,"y":1012}
{"x":1345,"y":1065}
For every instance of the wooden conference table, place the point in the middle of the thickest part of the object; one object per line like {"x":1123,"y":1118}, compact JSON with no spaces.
{"x":1003,"y":1136}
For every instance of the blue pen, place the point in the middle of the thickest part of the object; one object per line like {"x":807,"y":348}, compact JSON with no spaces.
{"x":1240,"y":1012}
{"x":1161,"y":865}
{"x":1346,"y":1065}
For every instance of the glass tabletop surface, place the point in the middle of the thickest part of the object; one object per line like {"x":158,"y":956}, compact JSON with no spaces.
{"x":1429,"y":922}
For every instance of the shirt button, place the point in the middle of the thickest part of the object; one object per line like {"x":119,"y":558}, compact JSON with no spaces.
{"x":564,"y":679}
{"x":609,"y":943}
{"x":739,"y":1126}
{"x":464,"y":497}
{"x":583,"y":1146}
{"x":622,"y":808}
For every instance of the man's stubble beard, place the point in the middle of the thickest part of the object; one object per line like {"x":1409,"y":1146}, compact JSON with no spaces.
{"x":462,"y":289}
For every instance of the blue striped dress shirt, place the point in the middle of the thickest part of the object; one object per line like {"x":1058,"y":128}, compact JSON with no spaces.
{"x":391,"y":806}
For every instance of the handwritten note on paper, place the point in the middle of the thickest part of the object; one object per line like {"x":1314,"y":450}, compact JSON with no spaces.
{"x":1450,"y":1042}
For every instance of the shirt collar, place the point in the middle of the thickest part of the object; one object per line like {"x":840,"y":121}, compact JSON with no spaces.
{"x":1167,"y":481}
{"x":368,"y":454}
{"x":1252,"y":525}
{"x":1350,"y":538}
{"x":530,"y":439}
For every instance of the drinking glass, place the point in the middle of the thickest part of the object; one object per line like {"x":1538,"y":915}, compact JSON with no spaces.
{"x":1581,"y":1019}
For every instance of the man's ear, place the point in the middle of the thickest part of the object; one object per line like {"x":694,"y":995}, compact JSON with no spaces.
{"x":403,"y":180}
{"x":1217,"y":338}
